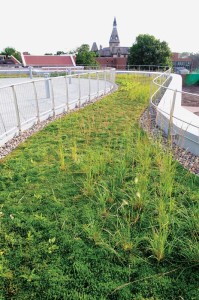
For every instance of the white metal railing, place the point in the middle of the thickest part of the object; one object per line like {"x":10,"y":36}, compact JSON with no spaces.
{"x":171,"y":117}
{"x":35,"y":72}
{"x":149,"y":68}
{"x":166,"y":97}
{"x":31,"y":101}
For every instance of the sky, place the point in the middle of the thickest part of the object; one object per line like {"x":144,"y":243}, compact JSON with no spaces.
{"x":48,"y":26}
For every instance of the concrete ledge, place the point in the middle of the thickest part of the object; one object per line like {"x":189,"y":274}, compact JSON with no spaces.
{"x":185,"y":124}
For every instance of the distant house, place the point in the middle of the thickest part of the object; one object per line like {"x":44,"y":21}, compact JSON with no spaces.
{"x":42,"y":61}
{"x":2,"y":59}
{"x":10,"y":61}
{"x":113,"y":56}
{"x":181,"y":62}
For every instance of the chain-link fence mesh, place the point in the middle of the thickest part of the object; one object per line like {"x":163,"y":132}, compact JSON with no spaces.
{"x":27,"y":103}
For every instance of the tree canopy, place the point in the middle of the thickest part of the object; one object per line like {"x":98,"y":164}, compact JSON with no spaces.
{"x":85,"y":56}
{"x":147,"y":50}
{"x":8,"y":51}
{"x":195,"y":61}
{"x":60,"y":52}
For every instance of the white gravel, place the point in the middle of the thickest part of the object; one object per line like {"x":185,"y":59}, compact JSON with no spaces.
{"x":184,"y":157}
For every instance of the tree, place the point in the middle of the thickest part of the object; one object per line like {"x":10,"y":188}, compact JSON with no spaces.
{"x":73,"y":51}
{"x":195,"y":61}
{"x":85,"y":56}
{"x":60,"y":52}
{"x":8,"y":51}
{"x":184,"y":54}
{"x":147,"y":50}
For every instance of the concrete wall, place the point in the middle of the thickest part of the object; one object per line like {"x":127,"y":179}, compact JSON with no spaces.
{"x":185,"y":124}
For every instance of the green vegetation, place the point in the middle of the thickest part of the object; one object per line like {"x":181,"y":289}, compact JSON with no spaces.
{"x":92,"y":208}
{"x":58,"y":73}
{"x":8,"y":51}
{"x":147,"y":50}
{"x":85,"y":57}
{"x":14,"y":76}
{"x":195,"y":61}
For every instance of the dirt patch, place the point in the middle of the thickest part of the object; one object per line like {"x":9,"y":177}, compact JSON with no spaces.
{"x":190,"y":100}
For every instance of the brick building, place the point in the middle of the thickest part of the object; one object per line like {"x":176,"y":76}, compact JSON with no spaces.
{"x":10,"y":61}
{"x":113,"y":56}
{"x":181,"y":62}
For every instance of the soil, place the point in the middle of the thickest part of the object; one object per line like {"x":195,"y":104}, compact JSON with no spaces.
{"x":190,"y":100}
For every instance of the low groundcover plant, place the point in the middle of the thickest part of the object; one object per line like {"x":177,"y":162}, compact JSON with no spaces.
{"x":92,"y":208}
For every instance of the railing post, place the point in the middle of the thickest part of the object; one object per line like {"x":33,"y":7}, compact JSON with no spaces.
{"x":69,"y":73}
{"x":110,"y":76}
{"x":171,"y":113}
{"x":104,"y":81}
{"x":79,"y":86}
{"x":97,"y":84}
{"x":150,"y":95}
{"x":89,"y":86}
{"x":4,"y":127}
{"x":114,"y":74}
{"x":16,"y":109}
{"x":47,"y":87}
{"x":53,"y":98}
{"x":36,"y":101}
{"x":30,"y":72}
{"x":67,"y":99}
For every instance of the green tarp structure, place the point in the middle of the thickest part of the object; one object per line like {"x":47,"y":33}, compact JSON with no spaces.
{"x":192,"y":79}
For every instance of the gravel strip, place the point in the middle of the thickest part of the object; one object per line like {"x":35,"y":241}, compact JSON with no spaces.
{"x":147,"y":122}
{"x":16,"y":141}
{"x":185,"y":158}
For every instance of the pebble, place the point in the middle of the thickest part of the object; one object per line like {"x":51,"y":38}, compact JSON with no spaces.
{"x":188,"y":160}
{"x":16,"y":141}
{"x":147,"y":122}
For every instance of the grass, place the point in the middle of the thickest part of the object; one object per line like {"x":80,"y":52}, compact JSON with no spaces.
{"x":14,"y":75}
{"x":92,"y":208}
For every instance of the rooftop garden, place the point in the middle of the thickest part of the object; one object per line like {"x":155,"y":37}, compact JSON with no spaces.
{"x":92,"y":208}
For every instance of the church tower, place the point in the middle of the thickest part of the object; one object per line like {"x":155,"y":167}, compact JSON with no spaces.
{"x":114,"y":39}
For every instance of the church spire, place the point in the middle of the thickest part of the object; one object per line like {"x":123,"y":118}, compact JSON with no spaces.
{"x":114,"y":39}
{"x":114,"y":22}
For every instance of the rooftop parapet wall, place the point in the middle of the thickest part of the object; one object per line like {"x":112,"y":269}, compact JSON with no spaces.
{"x":182,"y":124}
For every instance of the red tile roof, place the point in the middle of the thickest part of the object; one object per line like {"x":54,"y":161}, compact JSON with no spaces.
{"x":48,"y":60}
{"x":14,"y":60}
